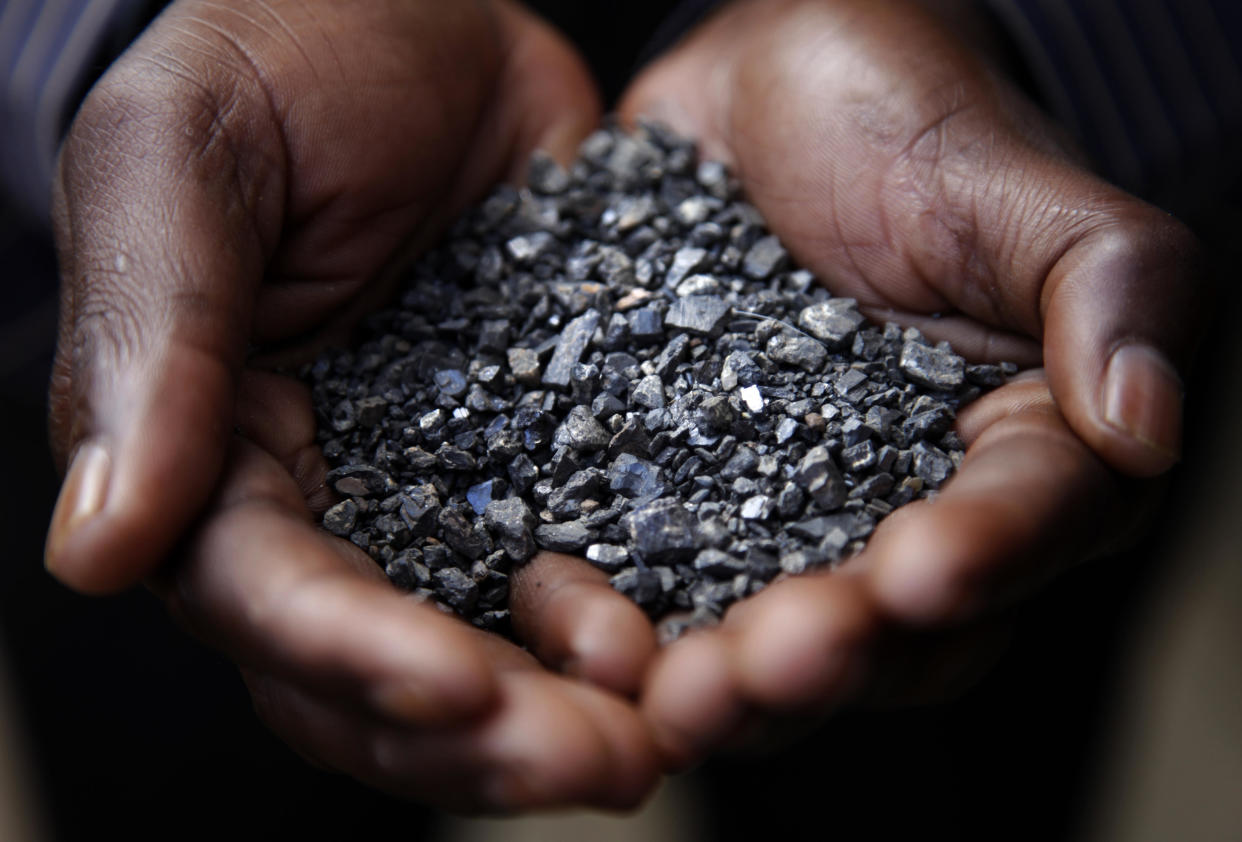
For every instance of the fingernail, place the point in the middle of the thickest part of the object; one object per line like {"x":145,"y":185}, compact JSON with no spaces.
{"x":81,"y":498}
{"x":1143,"y":398}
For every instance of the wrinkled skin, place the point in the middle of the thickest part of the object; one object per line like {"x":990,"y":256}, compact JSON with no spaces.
{"x":246,"y":177}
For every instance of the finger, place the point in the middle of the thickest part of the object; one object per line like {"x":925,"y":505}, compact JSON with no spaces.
{"x":1029,"y":499}
{"x":549,"y":742}
{"x":573,"y":620}
{"x":895,"y":669}
{"x":691,"y":700}
{"x":261,"y":582}
{"x":549,"y":97}
{"x":274,"y":412}
{"x":154,"y":311}
{"x":1121,"y":324}
{"x":801,"y":646}
{"x":804,"y":643}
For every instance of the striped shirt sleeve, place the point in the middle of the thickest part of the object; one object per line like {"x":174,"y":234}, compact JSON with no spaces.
{"x":1152,"y":88}
{"x":49,"y":51}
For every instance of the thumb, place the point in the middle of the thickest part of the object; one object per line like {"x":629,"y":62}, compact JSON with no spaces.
{"x":160,"y":251}
{"x":1114,"y":287}
{"x":1122,"y":307}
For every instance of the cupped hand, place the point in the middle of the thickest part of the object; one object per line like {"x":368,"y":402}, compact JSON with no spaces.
{"x":239,"y":180}
{"x":360,"y":678}
{"x":893,"y":161}
{"x":246,"y":177}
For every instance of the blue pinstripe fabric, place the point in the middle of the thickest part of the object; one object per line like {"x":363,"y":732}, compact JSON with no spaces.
{"x":1152,"y":88}
{"x":48,"y":49}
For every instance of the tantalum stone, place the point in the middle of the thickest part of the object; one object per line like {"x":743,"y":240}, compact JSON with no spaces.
{"x":719,"y":564}
{"x":607,"y":557}
{"x":764,"y":257}
{"x":358,"y":480}
{"x":569,"y":537}
{"x":524,"y":363}
{"x":620,"y":362}
{"x":573,"y":341}
{"x":511,"y":520}
{"x":935,"y":368}
{"x":753,"y":398}
{"x":663,"y":532}
{"x":794,"y":350}
{"x":702,"y":314}
{"x":340,"y":519}
{"x":739,"y":369}
{"x":581,"y":431}
{"x":685,"y":262}
{"x":833,"y":322}
{"x":819,"y":477}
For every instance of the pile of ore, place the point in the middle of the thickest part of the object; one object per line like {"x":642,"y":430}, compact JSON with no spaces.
{"x":620,"y":362}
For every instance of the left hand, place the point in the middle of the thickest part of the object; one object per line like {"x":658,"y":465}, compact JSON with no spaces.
{"x":893,"y":162}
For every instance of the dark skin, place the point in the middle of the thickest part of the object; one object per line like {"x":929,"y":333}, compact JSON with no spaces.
{"x":240,"y":181}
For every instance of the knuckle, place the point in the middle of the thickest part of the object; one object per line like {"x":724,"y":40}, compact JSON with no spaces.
{"x":1139,"y":249}
{"x":161,"y":109}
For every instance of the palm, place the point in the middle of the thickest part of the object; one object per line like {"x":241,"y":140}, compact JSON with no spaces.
{"x":369,"y":132}
{"x":855,"y":140}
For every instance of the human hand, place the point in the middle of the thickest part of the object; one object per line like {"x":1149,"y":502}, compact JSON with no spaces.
{"x":238,"y":181}
{"x":895,"y":164}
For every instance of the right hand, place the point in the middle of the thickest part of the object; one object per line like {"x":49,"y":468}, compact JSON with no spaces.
{"x":243,"y":178}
